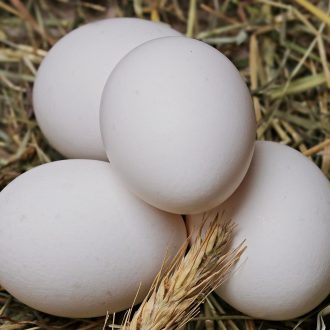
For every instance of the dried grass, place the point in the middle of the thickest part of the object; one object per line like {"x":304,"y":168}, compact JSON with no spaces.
{"x":281,"y":48}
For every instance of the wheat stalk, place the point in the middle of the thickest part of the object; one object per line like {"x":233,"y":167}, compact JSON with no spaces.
{"x":178,"y":291}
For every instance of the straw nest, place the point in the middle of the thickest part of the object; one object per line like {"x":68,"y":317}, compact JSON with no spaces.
{"x":282,"y":49}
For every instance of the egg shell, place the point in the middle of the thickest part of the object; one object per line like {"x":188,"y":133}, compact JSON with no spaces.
{"x":69,"y":83}
{"x":282,"y":209}
{"x":75,"y":243}
{"x":178,"y":124}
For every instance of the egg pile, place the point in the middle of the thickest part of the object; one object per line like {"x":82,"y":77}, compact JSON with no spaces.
{"x":156,"y":125}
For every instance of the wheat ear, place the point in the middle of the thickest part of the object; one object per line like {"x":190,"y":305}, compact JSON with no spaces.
{"x":176,"y":295}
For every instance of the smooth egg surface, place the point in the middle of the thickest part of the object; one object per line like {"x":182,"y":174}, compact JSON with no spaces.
{"x":69,"y":83}
{"x":75,"y":243}
{"x":178,"y":124}
{"x":282,"y":209}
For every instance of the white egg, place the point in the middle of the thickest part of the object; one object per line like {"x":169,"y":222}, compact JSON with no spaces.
{"x":75,"y":243}
{"x":178,"y":124}
{"x":70,"y":80}
{"x":282,"y":209}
